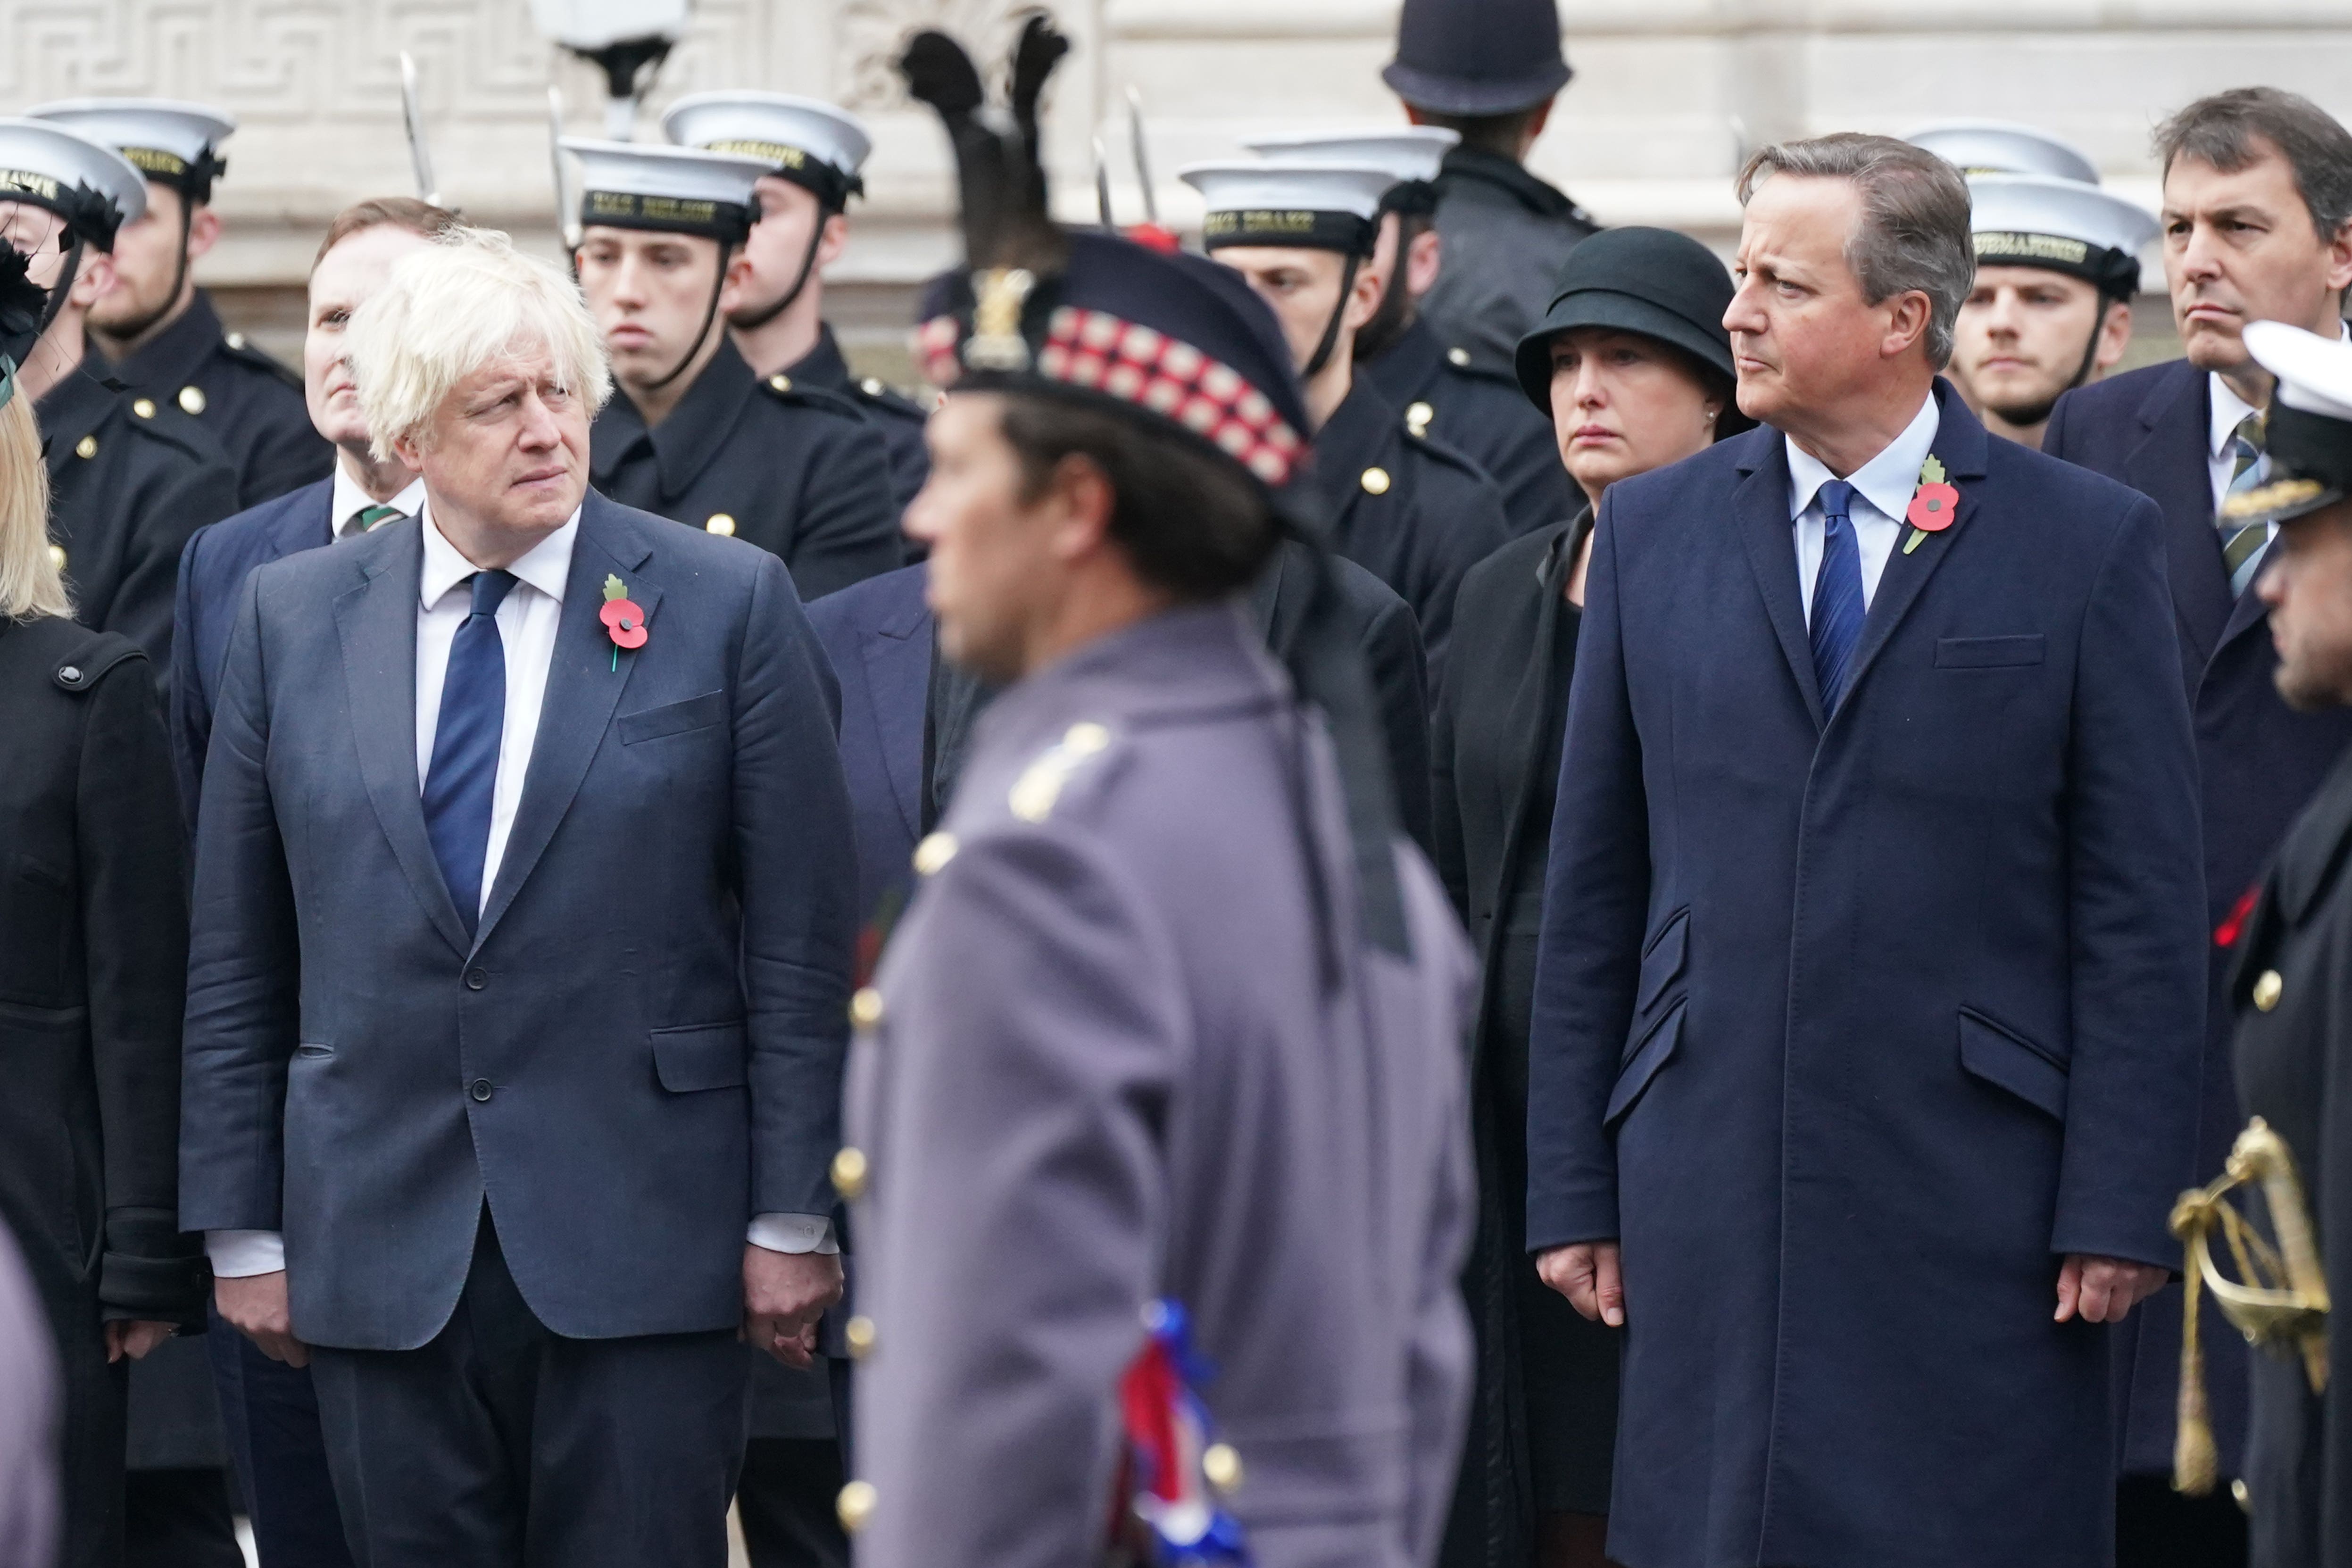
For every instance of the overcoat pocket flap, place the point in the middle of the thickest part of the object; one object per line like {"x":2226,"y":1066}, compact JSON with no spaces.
{"x":1661,"y":964}
{"x":1656,"y":1047}
{"x":2004,"y":1060}
{"x":1989,"y":652}
{"x":701,"y":1056}
{"x":673,"y":718}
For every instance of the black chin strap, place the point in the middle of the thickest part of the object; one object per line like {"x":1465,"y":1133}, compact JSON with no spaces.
{"x":1331,"y":330}
{"x":2091,"y":349}
{"x":1375,"y":336}
{"x":132,"y":330}
{"x":768,"y":313}
{"x":717,"y":287}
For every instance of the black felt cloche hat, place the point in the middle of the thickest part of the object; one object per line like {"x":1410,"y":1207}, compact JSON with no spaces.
{"x":1655,"y":282}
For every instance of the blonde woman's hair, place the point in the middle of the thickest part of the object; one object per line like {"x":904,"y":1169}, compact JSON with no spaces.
{"x":30,"y":582}
{"x":468,"y":300}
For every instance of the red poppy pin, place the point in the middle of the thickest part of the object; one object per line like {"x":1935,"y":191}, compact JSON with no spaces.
{"x":1933,"y":504}
{"x":622,"y":619}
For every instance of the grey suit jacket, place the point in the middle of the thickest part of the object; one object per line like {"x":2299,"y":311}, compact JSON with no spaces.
{"x":1126,"y":1052}
{"x":642,"y":1046}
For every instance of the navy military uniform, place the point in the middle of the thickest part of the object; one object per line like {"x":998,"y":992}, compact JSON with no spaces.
{"x":794,"y":469}
{"x":1465,"y":405}
{"x":1506,"y":231}
{"x":900,"y":417}
{"x":1173,"y":1020}
{"x":253,"y":405}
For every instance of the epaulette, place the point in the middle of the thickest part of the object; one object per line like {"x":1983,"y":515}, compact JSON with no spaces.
{"x":82,"y":673}
{"x":1039,"y":789}
{"x":807,"y":394}
{"x":873,"y":391}
{"x":238,"y":347}
{"x":169,"y":425}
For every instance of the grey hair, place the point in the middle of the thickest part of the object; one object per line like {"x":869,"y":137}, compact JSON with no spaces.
{"x":2227,"y":129}
{"x":468,"y":300}
{"x":1914,"y":233}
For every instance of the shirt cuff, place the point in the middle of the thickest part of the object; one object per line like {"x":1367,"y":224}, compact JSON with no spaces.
{"x":240,"y":1254}
{"x":792,"y":1233}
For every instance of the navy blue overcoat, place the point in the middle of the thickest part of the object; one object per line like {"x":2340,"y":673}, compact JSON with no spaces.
{"x":1851,"y":1026}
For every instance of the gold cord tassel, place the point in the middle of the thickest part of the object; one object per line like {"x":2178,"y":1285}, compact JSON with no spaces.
{"x":2196,"y":1462}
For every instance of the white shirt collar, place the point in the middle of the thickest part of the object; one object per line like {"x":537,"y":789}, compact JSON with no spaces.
{"x":546,"y":565}
{"x":2229,"y":409}
{"x":1887,"y":481}
{"x":350,"y":501}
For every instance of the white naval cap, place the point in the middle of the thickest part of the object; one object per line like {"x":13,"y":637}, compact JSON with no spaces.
{"x":1293,"y":204}
{"x":93,"y":188}
{"x":803,"y":139}
{"x":1999,"y":146}
{"x":2315,"y":373}
{"x":176,"y":142}
{"x":642,"y":185}
{"x":2308,"y":436}
{"x":2031,"y":220}
{"x":1406,"y":151}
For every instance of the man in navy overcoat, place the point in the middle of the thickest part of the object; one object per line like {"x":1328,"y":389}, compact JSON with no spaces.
{"x":1865,"y":1034}
{"x":2169,"y":432}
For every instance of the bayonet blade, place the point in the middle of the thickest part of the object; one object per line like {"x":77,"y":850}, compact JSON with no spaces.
{"x":412,"y":111}
{"x":1139,"y":145}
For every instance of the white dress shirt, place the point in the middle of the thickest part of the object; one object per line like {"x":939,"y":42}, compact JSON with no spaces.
{"x":1883,"y":489}
{"x":528,"y":619}
{"x":344,"y":511}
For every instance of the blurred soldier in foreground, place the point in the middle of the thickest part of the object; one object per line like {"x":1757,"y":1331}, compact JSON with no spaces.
{"x":1414,"y":512}
{"x":814,"y":153}
{"x":693,"y":436}
{"x":2257,"y":227}
{"x":28,"y":1442}
{"x":1488,"y":69}
{"x":160,"y":329}
{"x":1175,"y":1019}
{"x":2294,"y":974}
{"x":129,"y":479}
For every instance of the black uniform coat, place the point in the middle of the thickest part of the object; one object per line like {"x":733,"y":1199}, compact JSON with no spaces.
{"x":1416,"y":514}
{"x":899,"y":418}
{"x":1545,"y":1406}
{"x":1506,"y":234}
{"x":251,"y":403}
{"x":2260,"y":761}
{"x":2294,"y":1070}
{"x":1482,"y":413}
{"x":126,"y":489}
{"x":93,"y":956}
{"x":793,"y":469}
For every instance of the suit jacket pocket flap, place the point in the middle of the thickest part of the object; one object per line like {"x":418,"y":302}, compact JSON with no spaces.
{"x":1989,"y":652}
{"x":2007,"y":1060}
{"x":1663,"y":963}
{"x":673,"y":718}
{"x":1651,"y":1054}
{"x":701,"y":1056}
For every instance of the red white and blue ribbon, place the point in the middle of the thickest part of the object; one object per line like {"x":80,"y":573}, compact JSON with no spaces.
{"x":1168,"y":1434}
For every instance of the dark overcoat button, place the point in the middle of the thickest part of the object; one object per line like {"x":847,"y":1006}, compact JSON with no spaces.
{"x":480,"y":1089}
{"x":475,"y":979}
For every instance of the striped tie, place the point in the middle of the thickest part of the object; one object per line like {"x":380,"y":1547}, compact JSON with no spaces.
{"x":375,"y":518}
{"x":2242,"y":544}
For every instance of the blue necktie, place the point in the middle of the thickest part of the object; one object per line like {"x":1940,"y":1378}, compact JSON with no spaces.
{"x":464,"y":768}
{"x":1837,"y":594}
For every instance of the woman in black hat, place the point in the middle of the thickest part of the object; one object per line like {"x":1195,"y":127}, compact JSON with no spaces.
{"x":1634,"y":367}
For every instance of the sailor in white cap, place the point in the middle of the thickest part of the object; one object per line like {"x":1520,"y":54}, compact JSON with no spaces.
{"x":1413,"y":511}
{"x":696,"y":435}
{"x":160,"y":331}
{"x":2057,"y":264}
{"x":1444,"y":391}
{"x":129,"y":477}
{"x":815,"y":154}
{"x":1999,"y":146}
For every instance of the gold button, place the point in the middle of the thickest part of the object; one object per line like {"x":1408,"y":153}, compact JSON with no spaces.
{"x":57,"y":556}
{"x":872,"y":387}
{"x":849,"y":1173}
{"x":237,"y":339}
{"x":866,"y":1008}
{"x":1086,"y":740}
{"x":854,"y":1505}
{"x":86,"y":447}
{"x":2243,"y":1498}
{"x":721,"y":524}
{"x":1222,"y":1466}
{"x":1458,"y":356}
{"x":1376,"y":481}
{"x":1417,"y":418}
{"x":782,"y":383}
{"x":192,"y":399}
{"x":144,"y":408}
{"x":932,"y":856}
{"x":2267,"y":986}
{"x":857,"y":1334}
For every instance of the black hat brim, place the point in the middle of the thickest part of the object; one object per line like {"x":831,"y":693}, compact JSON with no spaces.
{"x":1475,"y":95}
{"x":1616,"y":312}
